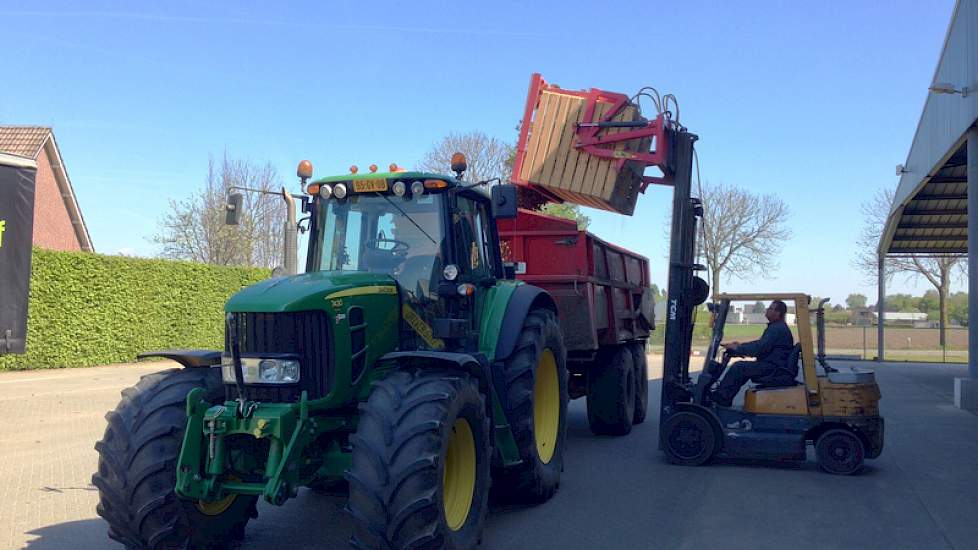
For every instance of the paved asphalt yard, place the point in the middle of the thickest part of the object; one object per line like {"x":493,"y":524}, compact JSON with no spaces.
{"x":615,"y":492}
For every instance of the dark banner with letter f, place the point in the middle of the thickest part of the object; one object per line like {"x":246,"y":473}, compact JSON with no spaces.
{"x":16,"y":231}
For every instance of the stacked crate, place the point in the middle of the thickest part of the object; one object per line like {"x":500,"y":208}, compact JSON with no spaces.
{"x":552,"y":161}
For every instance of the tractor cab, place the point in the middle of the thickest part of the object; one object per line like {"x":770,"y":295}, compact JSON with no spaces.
{"x":805,"y":400}
{"x":432,"y":234}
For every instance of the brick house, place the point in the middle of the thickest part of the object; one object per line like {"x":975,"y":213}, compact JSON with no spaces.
{"x":58,"y":221}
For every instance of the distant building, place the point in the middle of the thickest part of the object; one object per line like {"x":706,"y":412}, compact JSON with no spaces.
{"x":58,"y":221}
{"x":897,"y":318}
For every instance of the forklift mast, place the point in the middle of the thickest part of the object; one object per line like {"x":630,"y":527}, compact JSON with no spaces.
{"x":685,"y":290}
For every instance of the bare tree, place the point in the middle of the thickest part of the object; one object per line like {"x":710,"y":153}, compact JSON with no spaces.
{"x":741,"y":231}
{"x":487,"y":156}
{"x":193,"y":229}
{"x":938,"y":270}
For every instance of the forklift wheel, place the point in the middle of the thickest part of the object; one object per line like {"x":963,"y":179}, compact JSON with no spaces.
{"x":840,"y":452}
{"x":688,"y":439}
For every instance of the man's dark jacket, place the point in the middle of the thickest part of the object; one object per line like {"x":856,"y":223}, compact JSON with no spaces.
{"x":773,"y":348}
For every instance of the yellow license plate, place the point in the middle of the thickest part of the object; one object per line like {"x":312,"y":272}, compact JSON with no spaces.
{"x":370,"y":186}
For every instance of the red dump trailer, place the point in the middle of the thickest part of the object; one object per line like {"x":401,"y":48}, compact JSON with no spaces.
{"x":602,"y":292}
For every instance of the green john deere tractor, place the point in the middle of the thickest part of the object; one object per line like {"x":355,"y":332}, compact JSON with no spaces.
{"x":405,"y":362}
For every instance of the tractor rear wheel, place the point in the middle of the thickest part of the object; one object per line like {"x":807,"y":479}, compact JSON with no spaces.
{"x":641,"y":381}
{"x":611,"y":392}
{"x":420,"y":467}
{"x":137,"y":469}
{"x":536,"y":400}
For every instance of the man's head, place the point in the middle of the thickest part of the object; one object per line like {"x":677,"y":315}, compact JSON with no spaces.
{"x":776,"y":311}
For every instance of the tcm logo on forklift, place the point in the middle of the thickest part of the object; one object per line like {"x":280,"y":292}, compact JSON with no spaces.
{"x":673,"y":307}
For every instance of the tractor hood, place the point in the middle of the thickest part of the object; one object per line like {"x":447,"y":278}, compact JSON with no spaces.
{"x":303,"y":292}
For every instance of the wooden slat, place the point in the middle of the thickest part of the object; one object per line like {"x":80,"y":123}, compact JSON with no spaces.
{"x":555,"y":153}
{"x":567,"y":155}
{"x":538,"y":136}
{"x":593,"y":162}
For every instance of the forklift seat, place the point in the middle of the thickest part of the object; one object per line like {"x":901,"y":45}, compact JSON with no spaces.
{"x":784,"y":376}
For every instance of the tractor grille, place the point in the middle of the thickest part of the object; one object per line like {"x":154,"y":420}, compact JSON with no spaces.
{"x":305,"y":333}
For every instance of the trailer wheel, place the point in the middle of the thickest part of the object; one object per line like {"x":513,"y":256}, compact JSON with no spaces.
{"x":536,"y":396}
{"x":137,"y":469}
{"x":420,"y":465}
{"x":641,"y":382}
{"x":611,"y":393}
{"x":840,"y":452}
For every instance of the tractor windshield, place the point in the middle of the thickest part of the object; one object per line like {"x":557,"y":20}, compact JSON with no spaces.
{"x":384,"y":234}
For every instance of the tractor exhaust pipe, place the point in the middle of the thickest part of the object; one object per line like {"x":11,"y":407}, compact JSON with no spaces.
{"x":290,"y":236}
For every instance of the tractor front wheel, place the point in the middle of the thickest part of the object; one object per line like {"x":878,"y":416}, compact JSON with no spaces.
{"x":420,"y":467}
{"x":137,"y":469}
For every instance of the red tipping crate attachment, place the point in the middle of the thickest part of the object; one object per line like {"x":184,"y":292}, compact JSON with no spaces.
{"x":588,"y":147}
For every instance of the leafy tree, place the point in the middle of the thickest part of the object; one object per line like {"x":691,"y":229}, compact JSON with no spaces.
{"x":742,"y":232}
{"x":569,"y":211}
{"x":759,"y":307}
{"x":856,"y":301}
{"x":194,"y":229}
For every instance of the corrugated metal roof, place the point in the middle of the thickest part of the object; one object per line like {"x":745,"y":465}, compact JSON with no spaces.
{"x":935,"y":219}
{"x":24,"y":141}
{"x":929,"y":212}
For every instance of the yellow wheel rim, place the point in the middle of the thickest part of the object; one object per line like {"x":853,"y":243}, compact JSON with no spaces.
{"x":458,"y":477}
{"x":215,"y":507}
{"x":546,"y":406}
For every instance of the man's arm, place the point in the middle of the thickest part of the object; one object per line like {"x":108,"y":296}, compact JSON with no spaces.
{"x":757,"y":347}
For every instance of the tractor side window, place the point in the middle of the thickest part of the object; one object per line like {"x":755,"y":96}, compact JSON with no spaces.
{"x":470,"y":228}
{"x":486,"y":237}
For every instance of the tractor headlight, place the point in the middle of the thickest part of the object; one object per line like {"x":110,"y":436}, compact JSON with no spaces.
{"x":417,"y":188}
{"x":399,"y":188}
{"x":258,"y":370}
{"x":339,"y":191}
{"x":325,"y":191}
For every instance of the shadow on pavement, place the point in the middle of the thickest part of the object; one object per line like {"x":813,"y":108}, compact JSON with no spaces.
{"x":72,"y":535}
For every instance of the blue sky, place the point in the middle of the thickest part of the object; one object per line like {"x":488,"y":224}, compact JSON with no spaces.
{"x":815,"y":102}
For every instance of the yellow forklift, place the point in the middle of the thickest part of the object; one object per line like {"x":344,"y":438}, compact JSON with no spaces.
{"x":834,"y":409}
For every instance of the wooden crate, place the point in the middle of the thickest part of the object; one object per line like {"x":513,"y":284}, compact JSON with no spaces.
{"x":552,"y":161}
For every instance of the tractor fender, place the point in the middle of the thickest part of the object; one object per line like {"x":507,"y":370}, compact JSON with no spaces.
{"x":474,"y":364}
{"x":711,"y":416}
{"x":523,"y":299}
{"x":189,"y":358}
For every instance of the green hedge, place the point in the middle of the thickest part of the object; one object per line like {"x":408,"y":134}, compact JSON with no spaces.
{"x":88,"y":309}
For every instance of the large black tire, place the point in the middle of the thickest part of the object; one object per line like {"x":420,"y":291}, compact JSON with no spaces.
{"x":688,"y":439}
{"x":137,"y":469}
{"x":529,"y":374}
{"x":400,"y":494}
{"x":611,"y":392}
{"x":840,"y":452}
{"x":641,"y":381}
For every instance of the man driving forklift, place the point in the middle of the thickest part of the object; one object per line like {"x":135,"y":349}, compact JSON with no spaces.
{"x":771,"y":353}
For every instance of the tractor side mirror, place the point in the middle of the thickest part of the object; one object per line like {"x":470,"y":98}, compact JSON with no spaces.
{"x":504,"y":201}
{"x":233,"y":207}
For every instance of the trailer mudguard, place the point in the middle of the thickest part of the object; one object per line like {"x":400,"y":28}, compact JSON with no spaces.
{"x":523,"y":299}
{"x":189,"y":358}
